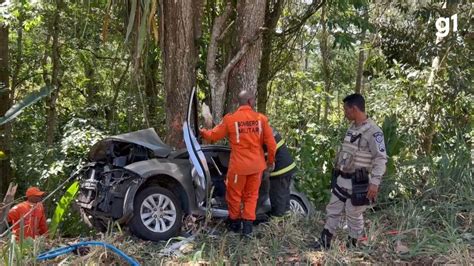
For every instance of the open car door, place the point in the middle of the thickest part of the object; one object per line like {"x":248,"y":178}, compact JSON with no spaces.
{"x":201,"y":176}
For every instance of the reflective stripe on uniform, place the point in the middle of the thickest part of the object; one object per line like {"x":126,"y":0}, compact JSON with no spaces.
{"x":284,"y":170}
{"x":280,"y":143}
{"x":259,"y":128}
{"x":237,"y":131}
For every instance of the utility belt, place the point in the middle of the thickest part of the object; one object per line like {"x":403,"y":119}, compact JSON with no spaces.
{"x":360,"y":186}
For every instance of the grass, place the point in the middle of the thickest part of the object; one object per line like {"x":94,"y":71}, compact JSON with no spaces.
{"x":427,"y":234}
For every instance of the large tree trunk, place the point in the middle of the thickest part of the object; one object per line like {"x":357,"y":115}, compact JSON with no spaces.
{"x":180,"y":30}
{"x":272,"y":15}
{"x":244,"y":75}
{"x":5,"y":104}
{"x":52,"y":117}
{"x":151,"y":88}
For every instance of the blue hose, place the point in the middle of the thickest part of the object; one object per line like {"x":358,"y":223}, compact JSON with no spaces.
{"x":60,"y":251}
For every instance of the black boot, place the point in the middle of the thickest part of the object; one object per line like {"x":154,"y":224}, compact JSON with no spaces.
{"x":351,"y":242}
{"x":247,"y":228}
{"x":324,"y":241}
{"x":234,"y":225}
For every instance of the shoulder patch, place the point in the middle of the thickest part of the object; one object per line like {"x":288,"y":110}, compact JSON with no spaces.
{"x":378,"y":136}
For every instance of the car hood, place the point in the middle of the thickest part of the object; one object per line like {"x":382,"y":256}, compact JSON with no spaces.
{"x":145,"y":137}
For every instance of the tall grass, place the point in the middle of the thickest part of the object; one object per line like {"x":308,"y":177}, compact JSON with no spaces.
{"x":432,"y":226}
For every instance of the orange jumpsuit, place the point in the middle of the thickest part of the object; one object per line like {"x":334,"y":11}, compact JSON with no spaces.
{"x":247,"y":131}
{"x":34,"y":223}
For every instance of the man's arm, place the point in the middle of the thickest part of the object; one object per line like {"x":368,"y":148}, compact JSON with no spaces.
{"x":215,"y":134}
{"x":13,"y":215}
{"x":269,"y":141}
{"x":43,"y":226}
{"x":379,"y":159}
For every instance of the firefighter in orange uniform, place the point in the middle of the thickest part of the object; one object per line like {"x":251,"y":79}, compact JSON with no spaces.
{"x":34,"y":222}
{"x":247,"y":131}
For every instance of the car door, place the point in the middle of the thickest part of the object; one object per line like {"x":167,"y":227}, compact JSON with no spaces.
{"x":200,"y":174}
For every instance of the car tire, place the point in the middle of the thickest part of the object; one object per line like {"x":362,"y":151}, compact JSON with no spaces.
{"x":297,"y":206}
{"x":157,"y":214}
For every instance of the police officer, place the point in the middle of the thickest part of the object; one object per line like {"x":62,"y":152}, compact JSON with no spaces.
{"x":359,"y":167}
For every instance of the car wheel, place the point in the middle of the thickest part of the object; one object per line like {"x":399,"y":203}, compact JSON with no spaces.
{"x":297,"y":206}
{"x":157,"y":214}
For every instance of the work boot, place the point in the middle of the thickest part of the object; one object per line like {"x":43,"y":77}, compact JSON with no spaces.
{"x":351,"y":242}
{"x":247,"y":228}
{"x":234,"y":225}
{"x":324,"y":241}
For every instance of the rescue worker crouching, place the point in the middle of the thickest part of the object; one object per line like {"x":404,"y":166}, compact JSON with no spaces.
{"x":34,"y":222}
{"x":247,"y":131}
{"x":360,"y":165}
{"x":277,"y":183}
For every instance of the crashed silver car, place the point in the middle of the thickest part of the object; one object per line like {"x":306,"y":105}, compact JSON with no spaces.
{"x":137,"y":180}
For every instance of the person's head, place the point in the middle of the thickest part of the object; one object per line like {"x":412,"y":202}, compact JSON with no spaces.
{"x":34,"y":194}
{"x":354,"y":106}
{"x":246,"y":98}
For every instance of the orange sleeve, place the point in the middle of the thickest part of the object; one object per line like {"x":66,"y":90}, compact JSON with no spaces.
{"x":269,"y":141}
{"x":217,"y":133}
{"x":43,"y":227}
{"x":14,"y":214}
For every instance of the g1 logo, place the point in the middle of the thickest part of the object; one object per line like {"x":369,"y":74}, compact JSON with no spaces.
{"x":442,"y":25}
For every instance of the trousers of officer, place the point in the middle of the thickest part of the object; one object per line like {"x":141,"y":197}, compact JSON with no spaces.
{"x":354,"y":214}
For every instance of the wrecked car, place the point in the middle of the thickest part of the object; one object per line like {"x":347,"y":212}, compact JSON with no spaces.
{"x":136,"y":180}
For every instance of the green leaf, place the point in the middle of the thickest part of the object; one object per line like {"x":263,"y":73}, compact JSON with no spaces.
{"x":63,"y":206}
{"x":29,"y":100}
{"x":3,"y":156}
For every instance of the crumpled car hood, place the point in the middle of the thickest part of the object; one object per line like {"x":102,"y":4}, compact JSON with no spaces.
{"x":145,"y":137}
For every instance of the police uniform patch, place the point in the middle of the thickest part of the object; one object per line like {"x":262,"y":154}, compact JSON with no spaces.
{"x":379,"y":140}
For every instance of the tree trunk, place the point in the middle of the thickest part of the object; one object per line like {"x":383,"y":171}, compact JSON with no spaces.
{"x":359,"y":88}
{"x":271,"y":19}
{"x":179,"y":35}
{"x":151,"y":89}
{"x":325,"y":54}
{"x":244,"y":75}
{"x":52,"y":117}
{"x":5,"y":104}
{"x":429,"y":128}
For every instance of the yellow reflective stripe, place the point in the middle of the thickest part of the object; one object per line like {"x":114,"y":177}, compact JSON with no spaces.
{"x":280,"y":143}
{"x":284,"y":170}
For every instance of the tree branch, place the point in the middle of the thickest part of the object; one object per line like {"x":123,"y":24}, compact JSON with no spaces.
{"x":313,"y":8}
{"x":211,"y":67}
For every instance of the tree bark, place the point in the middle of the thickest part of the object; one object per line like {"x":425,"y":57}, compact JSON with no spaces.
{"x":179,"y":35}
{"x":272,"y":15}
{"x":5,"y":104}
{"x":218,"y":79}
{"x":244,"y":75}
{"x":52,"y":117}
{"x":151,"y":89}
{"x":359,"y":88}
{"x":325,"y":55}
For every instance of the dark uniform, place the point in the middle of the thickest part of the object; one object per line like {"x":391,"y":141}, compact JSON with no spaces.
{"x":277,"y":184}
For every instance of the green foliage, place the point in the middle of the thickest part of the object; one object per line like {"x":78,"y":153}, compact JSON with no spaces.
{"x":29,"y":100}
{"x":62,"y":207}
